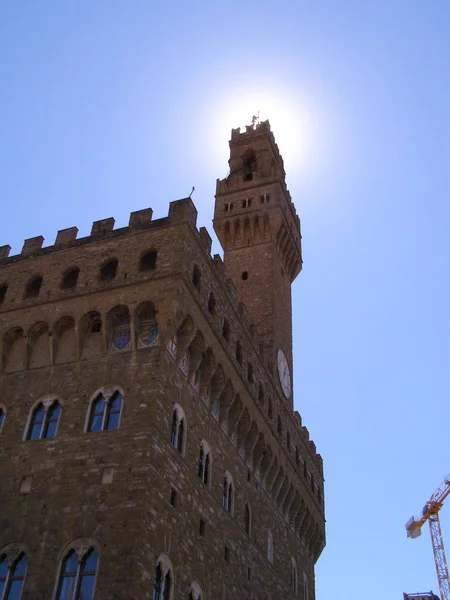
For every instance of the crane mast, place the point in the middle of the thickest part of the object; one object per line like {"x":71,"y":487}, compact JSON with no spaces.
{"x":430,"y":513}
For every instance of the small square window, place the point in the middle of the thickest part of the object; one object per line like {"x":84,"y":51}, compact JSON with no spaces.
{"x":173,"y":497}
{"x":201,"y":528}
{"x":244,"y":275}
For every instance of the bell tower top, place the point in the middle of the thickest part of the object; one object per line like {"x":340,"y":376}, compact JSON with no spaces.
{"x":258,"y":227}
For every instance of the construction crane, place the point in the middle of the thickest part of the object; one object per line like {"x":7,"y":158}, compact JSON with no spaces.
{"x":430,"y":513}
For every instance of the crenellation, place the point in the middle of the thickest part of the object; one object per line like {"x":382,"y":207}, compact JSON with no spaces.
{"x":102,"y":227}
{"x":32,"y":245}
{"x":205,"y":239}
{"x":66,"y":236}
{"x":181,"y":211}
{"x":140,"y":219}
{"x":4,"y":251}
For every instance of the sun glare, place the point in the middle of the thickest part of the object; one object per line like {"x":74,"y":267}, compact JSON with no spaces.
{"x":291,"y":124}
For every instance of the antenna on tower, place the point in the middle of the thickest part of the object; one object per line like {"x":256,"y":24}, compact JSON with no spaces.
{"x":192,"y":191}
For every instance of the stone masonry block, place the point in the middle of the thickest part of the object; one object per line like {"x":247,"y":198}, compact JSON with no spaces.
{"x":32,"y":245}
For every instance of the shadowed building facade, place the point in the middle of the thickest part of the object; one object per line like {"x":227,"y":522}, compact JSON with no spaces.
{"x":148,"y":444}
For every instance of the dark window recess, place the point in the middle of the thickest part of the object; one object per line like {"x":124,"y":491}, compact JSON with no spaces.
{"x":247,"y":202}
{"x":279,"y":426}
{"x":226,"y":554}
{"x":173,"y":497}
{"x":270,"y":410}
{"x":249,"y":573}
{"x":250,"y":373}
{"x":226,"y":330}
{"x":70,"y":279}
{"x":244,"y":275}
{"x":148,"y":261}
{"x":264,"y":199}
{"x":201,"y":528}
{"x":196,"y":277}
{"x":96,"y":327}
{"x":109,"y":270}
{"x":305,"y":470}
{"x":288,"y":440}
{"x":228,"y":206}
{"x":239,"y":353}
{"x":261,"y":394}
{"x":297,"y":456}
{"x":3,"y":290}
{"x":211,"y":303}
{"x":33,"y":287}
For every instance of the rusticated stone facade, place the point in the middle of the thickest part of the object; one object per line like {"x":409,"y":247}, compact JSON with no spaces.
{"x":197,"y":472}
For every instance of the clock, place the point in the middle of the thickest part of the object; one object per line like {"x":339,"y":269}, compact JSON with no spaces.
{"x":284,"y":374}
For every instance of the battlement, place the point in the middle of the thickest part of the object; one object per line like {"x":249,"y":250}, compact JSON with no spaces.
{"x":180,"y":211}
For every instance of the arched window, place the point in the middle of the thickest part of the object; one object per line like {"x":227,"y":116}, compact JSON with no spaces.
{"x":70,"y":279}
{"x":178,"y":429}
{"x":196,"y":277}
{"x":148,"y":261}
{"x":163,"y":585}
{"x":204,"y":463}
{"x":77,"y":574}
{"x":105,"y":412}
{"x":108,"y":270}
{"x":294,"y":576}
{"x":33,"y":287}
{"x":305,"y":587}
{"x":248,"y":519}
{"x":2,"y":417}
{"x":228,"y":493}
{"x":270,"y":547}
{"x":12,"y":576}
{"x":44,"y":420}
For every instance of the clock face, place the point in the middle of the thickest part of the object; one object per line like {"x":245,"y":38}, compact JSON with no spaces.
{"x":283,"y":373}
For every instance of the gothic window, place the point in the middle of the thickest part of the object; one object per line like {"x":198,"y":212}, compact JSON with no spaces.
{"x":247,"y":202}
{"x":248,"y":519}
{"x":70,"y":279}
{"x":163,"y":584}
{"x":77,"y":575}
{"x":211,"y":303}
{"x":228,"y":206}
{"x":264,"y":198}
{"x":228,"y":493}
{"x":108,"y":270}
{"x":148,"y":261}
{"x":44,"y":421}
{"x":12,"y":576}
{"x":294,"y":576}
{"x":178,"y":429}
{"x":204,"y":463}
{"x":105,"y":412}
{"x":2,"y":417}
{"x":196,"y":277}
{"x":3,"y":290}
{"x":226,"y":330}
{"x":239,"y":353}
{"x":33,"y":287}
{"x":305,"y":587}
{"x":270,"y":547}
{"x":120,"y":331}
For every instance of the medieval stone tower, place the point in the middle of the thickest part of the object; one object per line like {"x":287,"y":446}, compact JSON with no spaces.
{"x":148,"y":445}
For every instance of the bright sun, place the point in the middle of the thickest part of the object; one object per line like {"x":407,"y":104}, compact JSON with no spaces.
{"x":291,"y":125}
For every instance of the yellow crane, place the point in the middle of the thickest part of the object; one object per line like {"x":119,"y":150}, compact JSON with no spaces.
{"x":430,"y":513}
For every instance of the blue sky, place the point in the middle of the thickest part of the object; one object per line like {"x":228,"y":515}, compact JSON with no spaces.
{"x":109,"y":107}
